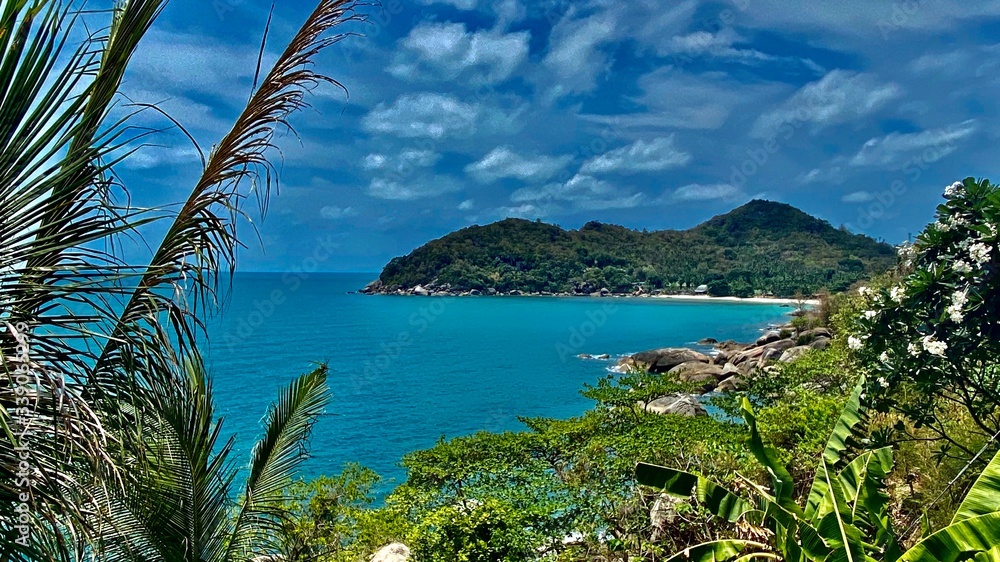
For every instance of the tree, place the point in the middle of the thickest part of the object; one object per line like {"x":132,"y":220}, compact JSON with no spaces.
{"x":847,"y":513}
{"x":91,"y":343}
{"x":930,"y":338}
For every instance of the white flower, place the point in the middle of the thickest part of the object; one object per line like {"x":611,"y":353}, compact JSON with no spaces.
{"x":933,"y":346}
{"x":958,"y":220}
{"x":980,"y":252}
{"x":869,"y":314}
{"x":954,"y":189}
{"x":942,"y":226}
{"x":897,"y":293}
{"x":863,"y":291}
{"x":854,"y":342}
{"x":884,"y":357}
{"x":962,"y":266}
{"x":882,"y":382}
{"x":993,"y":229}
{"x":958,"y":301}
{"x":914,"y":349}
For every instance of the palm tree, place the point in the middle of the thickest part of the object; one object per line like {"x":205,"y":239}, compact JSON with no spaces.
{"x":98,"y":362}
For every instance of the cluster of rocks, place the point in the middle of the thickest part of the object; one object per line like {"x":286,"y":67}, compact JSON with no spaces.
{"x":434,"y":289}
{"x":725,"y":369}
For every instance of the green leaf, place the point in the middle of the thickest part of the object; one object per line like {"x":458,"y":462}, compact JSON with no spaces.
{"x":984,"y":496}
{"x":720,"y":501}
{"x":716,"y":551}
{"x":784,"y":486}
{"x":837,"y":526}
{"x":850,"y":417}
{"x":959,"y":541}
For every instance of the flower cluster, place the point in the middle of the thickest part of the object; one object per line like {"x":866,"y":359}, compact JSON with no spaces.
{"x":980,"y":252}
{"x":956,"y":309}
{"x":933,"y":346}
{"x":954,"y":190}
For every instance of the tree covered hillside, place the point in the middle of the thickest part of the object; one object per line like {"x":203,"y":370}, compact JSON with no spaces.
{"x":761,"y":247}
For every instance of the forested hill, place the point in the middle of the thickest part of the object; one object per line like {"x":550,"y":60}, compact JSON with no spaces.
{"x":761,"y":247}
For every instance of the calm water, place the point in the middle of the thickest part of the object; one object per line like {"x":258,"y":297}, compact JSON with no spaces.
{"x":407,"y":370}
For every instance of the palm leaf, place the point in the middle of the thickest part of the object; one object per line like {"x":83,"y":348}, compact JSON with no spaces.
{"x":984,"y":496}
{"x":784,"y":486}
{"x":722,"y":551}
{"x":719,"y":501}
{"x":975,"y":537}
{"x":845,"y":427}
{"x":275,"y":458}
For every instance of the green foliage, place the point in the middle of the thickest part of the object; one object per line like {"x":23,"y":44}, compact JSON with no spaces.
{"x":846,"y":515}
{"x":324,"y":515}
{"x":761,"y":247}
{"x":930,"y":338}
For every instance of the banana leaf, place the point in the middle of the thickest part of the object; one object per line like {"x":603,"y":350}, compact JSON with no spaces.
{"x":976,"y":538}
{"x":984,"y":496}
{"x":721,"y":502}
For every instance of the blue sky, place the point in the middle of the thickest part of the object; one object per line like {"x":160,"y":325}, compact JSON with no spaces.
{"x":649,"y":114}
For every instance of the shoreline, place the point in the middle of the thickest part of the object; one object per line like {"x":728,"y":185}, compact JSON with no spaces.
{"x":753,"y":300}
{"x":789,"y":301}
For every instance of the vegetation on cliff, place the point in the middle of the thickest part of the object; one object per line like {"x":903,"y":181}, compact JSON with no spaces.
{"x":761,"y":247}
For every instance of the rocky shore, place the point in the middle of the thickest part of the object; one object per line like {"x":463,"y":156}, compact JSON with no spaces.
{"x":724,"y":369}
{"x":580,"y":290}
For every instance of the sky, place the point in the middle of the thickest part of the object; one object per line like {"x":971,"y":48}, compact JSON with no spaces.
{"x":650,"y":114}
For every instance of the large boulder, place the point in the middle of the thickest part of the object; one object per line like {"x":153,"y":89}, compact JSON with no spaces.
{"x":393,"y":552}
{"x":373,"y":287}
{"x":768,"y":337}
{"x":689,"y":368}
{"x":732,"y":345}
{"x":810,"y":335}
{"x":730,"y":384}
{"x":793,"y":353}
{"x":781,"y":345}
{"x":419,"y":290}
{"x":677,"y":405}
{"x":664,"y":359}
{"x":820,"y":343}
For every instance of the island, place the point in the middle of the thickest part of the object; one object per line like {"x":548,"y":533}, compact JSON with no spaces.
{"x":762,"y":248}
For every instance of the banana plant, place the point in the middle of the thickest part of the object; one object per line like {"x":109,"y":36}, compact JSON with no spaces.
{"x":846,"y":515}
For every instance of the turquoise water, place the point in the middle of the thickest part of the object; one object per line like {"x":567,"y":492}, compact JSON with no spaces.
{"x":406,"y":371}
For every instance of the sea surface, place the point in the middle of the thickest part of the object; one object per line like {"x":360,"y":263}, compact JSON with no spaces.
{"x":406,"y":371}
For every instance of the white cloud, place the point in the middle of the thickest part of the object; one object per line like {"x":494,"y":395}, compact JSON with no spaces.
{"x":583,"y":191}
{"x":155,"y":156}
{"x":437,"y":116}
{"x":858,"y":197}
{"x":703,"y":192}
{"x":502,"y":162}
{"x":412,"y":189}
{"x":526,"y":211}
{"x":864,"y":18}
{"x":833,"y":174}
{"x":446,"y":51}
{"x":641,"y":156}
{"x":839,"y":97}
{"x":896,"y":149}
{"x":460,"y":4}
{"x":575,"y":59}
{"x":404,"y":162}
{"x":676,"y":99}
{"x":466,"y":205}
{"x":336,"y":213}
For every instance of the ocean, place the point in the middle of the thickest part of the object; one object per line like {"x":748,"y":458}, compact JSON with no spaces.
{"x":406,"y":371}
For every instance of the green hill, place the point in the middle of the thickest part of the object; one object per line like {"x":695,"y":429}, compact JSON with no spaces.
{"x":761,"y":247}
